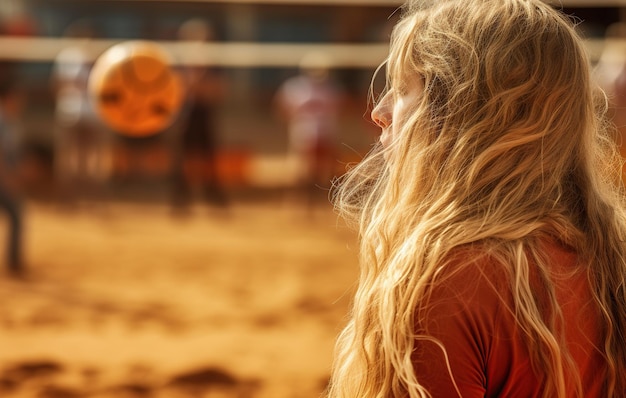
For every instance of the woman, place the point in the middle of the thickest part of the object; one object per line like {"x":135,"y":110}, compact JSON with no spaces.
{"x":491,"y":218}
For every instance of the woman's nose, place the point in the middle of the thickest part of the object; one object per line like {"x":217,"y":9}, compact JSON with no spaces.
{"x":381,"y":114}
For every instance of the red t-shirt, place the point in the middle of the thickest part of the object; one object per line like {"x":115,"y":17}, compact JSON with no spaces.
{"x":470,"y":313}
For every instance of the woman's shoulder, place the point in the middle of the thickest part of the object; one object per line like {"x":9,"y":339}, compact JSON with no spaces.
{"x":467,"y":306}
{"x":470,"y":268}
{"x":480,"y":277}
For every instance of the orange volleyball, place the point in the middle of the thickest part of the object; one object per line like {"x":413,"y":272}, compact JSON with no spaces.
{"x":135,"y":89}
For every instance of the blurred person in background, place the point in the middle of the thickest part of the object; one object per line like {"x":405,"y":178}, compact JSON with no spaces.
{"x":612,"y":58}
{"x":610,"y":73}
{"x":492,"y":217}
{"x":79,"y":138}
{"x":618,"y":102}
{"x":11,"y":106}
{"x":310,"y":104}
{"x":196,"y":147}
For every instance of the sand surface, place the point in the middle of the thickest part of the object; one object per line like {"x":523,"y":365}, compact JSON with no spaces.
{"x":127,"y":300}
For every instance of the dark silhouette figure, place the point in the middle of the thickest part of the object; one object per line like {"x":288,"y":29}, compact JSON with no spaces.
{"x":195,"y":158}
{"x":11,"y":100}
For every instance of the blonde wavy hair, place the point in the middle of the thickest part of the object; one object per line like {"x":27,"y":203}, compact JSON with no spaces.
{"x":508,"y":146}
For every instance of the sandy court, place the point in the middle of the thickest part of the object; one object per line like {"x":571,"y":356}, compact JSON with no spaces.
{"x":126,"y":300}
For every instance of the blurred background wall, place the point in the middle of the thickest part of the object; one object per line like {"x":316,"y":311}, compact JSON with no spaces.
{"x":246,"y":118}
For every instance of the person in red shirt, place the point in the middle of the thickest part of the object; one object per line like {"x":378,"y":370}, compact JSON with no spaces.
{"x":491,"y":216}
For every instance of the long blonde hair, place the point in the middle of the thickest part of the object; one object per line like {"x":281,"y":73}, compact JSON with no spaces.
{"x":507,"y":146}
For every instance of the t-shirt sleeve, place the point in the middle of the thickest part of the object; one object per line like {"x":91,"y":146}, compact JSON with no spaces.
{"x":458,"y":321}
